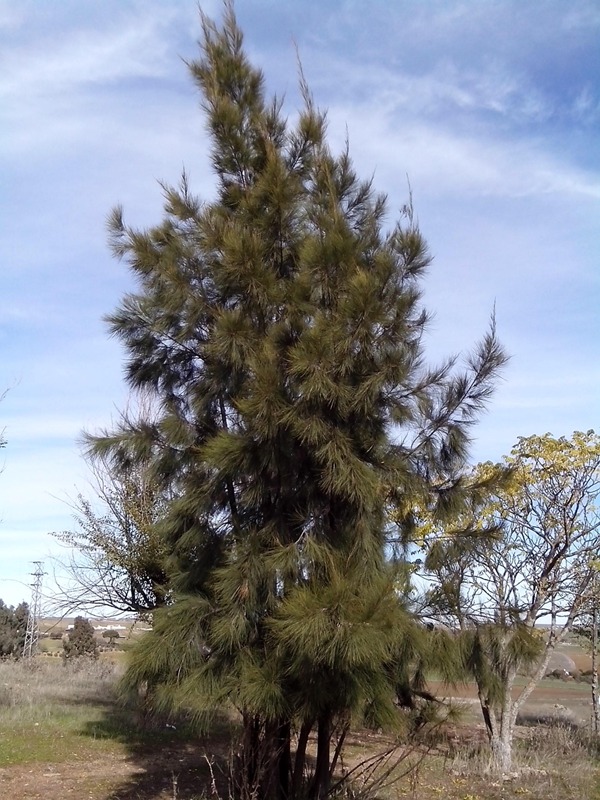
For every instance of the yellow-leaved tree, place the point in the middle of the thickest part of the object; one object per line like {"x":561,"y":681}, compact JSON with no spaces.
{"x":515,"y":573}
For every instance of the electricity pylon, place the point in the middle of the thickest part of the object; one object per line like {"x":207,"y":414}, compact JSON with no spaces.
{"x":32,"y":633}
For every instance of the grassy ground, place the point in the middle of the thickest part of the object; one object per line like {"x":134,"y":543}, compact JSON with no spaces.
{"x":62,"y":734}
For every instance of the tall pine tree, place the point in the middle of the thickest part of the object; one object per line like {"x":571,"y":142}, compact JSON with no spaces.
{"x":280,"y":328}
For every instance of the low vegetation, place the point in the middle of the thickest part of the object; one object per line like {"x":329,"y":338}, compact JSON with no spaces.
{"x":62,"y":727}
{"x":45,"y":708}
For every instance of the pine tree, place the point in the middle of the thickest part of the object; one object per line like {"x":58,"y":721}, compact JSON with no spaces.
{"x":280,"y":328}
{"x":13,"y":626}
{"x":81,"y":640}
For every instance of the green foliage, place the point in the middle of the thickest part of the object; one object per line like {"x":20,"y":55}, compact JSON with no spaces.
{"x":80,"y":641}
{"x":280,"y":330}
{"x":13,"y":626}
{"x":112,"y":636}
{"x":494,"y":653}
{"x":117,"y":558}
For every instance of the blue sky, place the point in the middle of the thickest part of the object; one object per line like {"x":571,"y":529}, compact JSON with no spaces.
{"x":490,"y":107}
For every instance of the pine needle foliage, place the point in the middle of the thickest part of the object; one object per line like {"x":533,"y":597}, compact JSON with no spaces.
{"x":280,"y":329}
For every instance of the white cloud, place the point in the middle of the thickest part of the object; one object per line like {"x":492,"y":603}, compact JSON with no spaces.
{"x":94,"y":55}
{"x":11,"y":15}
{"x":448,"y":162}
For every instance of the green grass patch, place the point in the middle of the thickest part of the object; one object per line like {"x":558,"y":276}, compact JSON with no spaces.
{"x":55,"y":712}
{"x":49,"y":710}
{"x":49,"y":744}
{"x":68,"y":716}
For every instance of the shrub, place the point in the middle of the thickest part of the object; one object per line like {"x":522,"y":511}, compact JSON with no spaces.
{"x":112,"y":636}
{"x":80,"y":641}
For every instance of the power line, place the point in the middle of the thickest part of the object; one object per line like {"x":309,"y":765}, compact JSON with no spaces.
{"x":32,"y":634}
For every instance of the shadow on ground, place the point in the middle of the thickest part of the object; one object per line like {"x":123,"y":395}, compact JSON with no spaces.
{"x":166,"y":761}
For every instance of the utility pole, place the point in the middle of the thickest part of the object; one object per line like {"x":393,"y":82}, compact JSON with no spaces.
{"x":33,"y":632}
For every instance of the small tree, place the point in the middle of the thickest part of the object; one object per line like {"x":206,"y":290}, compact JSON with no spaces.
{"x":80,"y":641}
{"x":587,"y":629}
{"x":112,"y":637}
{"x":13,"y":627}
{"x":117,"y":557}
{"x":535,"y":566}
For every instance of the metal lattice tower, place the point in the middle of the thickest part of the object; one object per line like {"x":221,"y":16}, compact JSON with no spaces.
{"x":33,"y":632}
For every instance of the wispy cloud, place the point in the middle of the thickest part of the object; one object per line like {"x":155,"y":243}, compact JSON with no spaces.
{"x":447,"y":87}
{"x":586,"y":106}
{"x":450,"y":162}
{"x":125,"y":48}
{"x":488,"y":107}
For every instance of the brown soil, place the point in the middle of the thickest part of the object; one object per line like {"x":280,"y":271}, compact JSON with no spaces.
{"x":149,"y":774}
{"x":553,"y":701}
{"x":182,"y":772}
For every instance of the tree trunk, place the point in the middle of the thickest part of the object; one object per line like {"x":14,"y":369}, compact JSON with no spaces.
{"x":300,"y":758}
{"x":500,"y":724}
{"x":595,"y":708}
{"x":284,"y":759}
{"x":487,"y":715}
{"x":249,"y":766}
{"x":501,"y":744}
{"x":338,"y":748}
{"x":320,"y":783}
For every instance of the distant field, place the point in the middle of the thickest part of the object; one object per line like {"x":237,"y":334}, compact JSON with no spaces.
{"x":53,"y":629}
{"x":126,"y":627}
{"x":582,"y":659}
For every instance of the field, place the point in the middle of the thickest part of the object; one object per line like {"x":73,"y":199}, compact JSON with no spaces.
{"x":64,"y":735}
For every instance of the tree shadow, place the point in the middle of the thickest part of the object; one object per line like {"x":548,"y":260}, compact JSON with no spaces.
{"x":167,"y":759}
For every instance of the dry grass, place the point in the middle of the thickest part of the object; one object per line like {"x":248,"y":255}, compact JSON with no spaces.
{"x":44,"y":707}
{"x":61,"y":723}
{"x":39,"y":686}
{"x":551,"y":762}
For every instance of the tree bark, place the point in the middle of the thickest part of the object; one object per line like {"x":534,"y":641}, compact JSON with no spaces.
{"x":501,"y":744}
{"x":320,"y":783}
{"x":284,"y":759}
{"x":500,"y":724}
{"x":300,"y":758}
{"x":249,"y":767}
{"x":595,"y":708}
